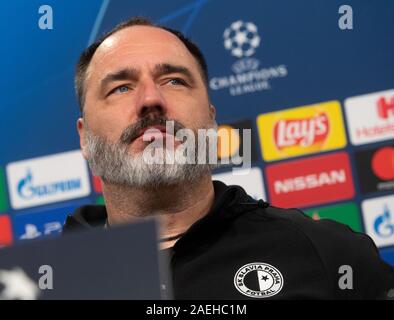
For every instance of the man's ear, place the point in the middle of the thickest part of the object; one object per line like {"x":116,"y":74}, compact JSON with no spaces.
{"x":81,"y":132}
{"x":212,"y":112}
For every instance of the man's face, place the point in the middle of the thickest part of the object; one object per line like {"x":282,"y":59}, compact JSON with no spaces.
{"x":139,"y":77}
{"x":140,"y":72}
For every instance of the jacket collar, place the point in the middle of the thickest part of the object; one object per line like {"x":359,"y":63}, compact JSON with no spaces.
{"x":229,"y":201}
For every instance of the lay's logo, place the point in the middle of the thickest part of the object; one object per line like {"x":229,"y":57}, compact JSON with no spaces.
{"x":305,"y":133}
{"x":302,"y":130}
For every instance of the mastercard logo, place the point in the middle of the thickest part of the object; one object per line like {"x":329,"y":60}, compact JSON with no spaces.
{"x":229,"y":141}
{"x":383,"y":163}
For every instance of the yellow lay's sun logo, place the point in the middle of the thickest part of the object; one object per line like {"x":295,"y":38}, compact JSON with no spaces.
{"x":302,"y":130}
{"x":228,"y":141}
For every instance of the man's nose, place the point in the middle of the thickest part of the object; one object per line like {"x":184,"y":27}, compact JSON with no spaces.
{"x":150,"y":100}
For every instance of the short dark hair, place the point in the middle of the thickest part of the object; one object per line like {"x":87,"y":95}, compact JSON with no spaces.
{"x":87,"y":54}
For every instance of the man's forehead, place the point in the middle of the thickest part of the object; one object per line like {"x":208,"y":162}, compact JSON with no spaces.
{"x":141,"y":43}
{"x":140,"y":34}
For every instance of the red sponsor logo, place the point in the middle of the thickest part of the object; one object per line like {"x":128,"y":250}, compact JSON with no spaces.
{"x":97,"y":185}
{"x":383,"y":163}
{"x":5,"y":231}
{"x":374,"y":131}
{"x":385,"y":108}
{"x":301,"y":132}
{"x":311,"y":181}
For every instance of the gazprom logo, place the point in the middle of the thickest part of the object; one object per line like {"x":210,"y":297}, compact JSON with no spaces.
{"x":383,"y":224}
{"x":54,"y":178}
{"x":378,"y":216}
{"x":28,"y":190}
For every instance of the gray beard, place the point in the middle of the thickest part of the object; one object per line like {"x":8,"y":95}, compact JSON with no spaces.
{"x":114,"y":163}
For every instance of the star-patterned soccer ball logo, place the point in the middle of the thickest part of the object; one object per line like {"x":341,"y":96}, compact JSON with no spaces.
{"x":241,"y":39}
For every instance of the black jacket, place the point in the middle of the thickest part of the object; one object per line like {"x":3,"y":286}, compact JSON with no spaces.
{"x":243,"y":249}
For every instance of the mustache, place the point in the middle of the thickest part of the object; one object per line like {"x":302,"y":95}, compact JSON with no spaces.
{"x":133,"y":131}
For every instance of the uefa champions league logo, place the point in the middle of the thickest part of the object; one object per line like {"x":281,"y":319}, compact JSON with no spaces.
{"x":241,"y":39}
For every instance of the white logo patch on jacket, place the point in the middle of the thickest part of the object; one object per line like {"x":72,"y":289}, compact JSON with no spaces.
{"x":258,"y":280}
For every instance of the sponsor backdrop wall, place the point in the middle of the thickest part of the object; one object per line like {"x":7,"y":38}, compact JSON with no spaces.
{"x":318,"y":99}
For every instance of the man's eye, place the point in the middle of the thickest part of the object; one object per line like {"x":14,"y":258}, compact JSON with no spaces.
{"x":120,"y":89}
{"x":177,"y":82}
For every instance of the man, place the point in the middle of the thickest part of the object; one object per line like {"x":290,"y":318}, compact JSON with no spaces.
{"x":223,"y":244}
